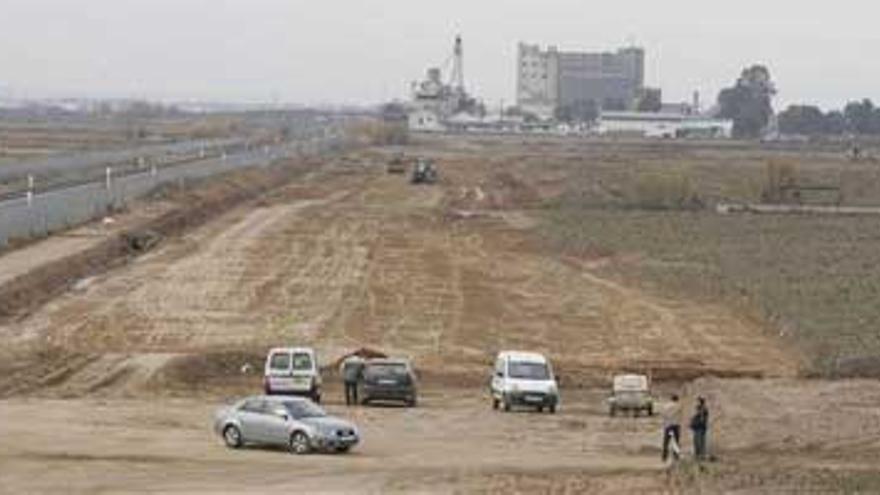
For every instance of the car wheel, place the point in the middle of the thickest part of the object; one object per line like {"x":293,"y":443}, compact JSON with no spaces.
{"x":316,"y":398}
{"x":343,"y":450}
{"x":553,"y":409}
{"x":650,"y":410}
{"x":412,"y":402}
{"x":232,"y":437}
{"x":540,"y":409}
{"x":495,"y":403}
{"x":506,"y":404}
{"x":299,"y":443}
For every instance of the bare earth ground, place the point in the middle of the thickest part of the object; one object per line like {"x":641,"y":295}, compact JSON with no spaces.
{"x":349,"y":256}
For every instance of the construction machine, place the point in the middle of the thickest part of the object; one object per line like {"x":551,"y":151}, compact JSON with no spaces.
{"x":424,"y":172}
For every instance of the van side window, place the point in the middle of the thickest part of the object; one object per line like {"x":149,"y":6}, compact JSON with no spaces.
{"x":280,"y":361}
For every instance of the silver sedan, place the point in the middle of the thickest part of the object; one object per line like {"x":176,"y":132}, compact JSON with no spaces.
{"x":294,"y":422}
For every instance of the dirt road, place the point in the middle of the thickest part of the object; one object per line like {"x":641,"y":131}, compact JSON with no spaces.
{"x":452,"y":443}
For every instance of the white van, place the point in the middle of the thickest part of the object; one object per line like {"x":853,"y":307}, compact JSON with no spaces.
{"x":524,"y":379}
{"x":293,"y":371}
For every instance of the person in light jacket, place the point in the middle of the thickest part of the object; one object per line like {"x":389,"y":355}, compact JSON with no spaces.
{"x":672,"y":429}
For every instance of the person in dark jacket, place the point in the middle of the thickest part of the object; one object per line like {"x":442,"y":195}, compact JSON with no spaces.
{"x":352,"y":369}
{"x":699,"y":427}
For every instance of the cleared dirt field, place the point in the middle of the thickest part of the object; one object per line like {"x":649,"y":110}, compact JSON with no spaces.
{"x":112,"y":384}
{"x":351,"y":256}
{"x":771,"y":437}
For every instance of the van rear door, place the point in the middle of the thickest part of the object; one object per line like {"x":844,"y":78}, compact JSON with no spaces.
{"x":278,"y":371}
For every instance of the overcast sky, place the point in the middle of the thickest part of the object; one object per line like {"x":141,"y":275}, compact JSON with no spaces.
{"x":353,"y":51}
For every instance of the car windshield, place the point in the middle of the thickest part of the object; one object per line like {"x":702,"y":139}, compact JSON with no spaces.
{"x":386,"y":369}
{"x":302,"y":409}
{"x":302,"y":361}
{"x":528,"y":371}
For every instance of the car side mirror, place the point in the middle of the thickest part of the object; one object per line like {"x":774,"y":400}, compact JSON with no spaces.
{"x":499,"y":374}
{"x":282,"y":415}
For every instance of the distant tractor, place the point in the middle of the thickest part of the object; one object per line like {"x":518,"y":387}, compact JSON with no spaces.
{"x":397,"y":165}
{"x":424,"y":172}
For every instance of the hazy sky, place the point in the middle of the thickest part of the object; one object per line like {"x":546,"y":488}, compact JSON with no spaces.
{"x":367,"y":51}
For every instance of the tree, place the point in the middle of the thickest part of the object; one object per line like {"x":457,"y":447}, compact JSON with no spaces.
{"x":749,"y":103}
{"x":563,"y":113}
{"x":835,"y":123}
{"x":802,"y":119}
{"x":650,"y":101}
{"x":862,"y":117}
{"x":393,"y":112}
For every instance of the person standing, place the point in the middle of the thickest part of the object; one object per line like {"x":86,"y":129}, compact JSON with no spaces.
{"x":699,"y":427}
{"x":351,"y":369}
{"x":672,"y":429}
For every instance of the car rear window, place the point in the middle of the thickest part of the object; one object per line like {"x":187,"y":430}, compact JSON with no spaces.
{"x":385,"y":369}
{"x":280,"y":361}
{"x":302,"y":361}
{"x":633,"y":383}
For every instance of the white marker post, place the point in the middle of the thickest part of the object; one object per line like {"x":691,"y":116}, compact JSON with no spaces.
{"x":30,"y":191}
{"x":109,"y":180}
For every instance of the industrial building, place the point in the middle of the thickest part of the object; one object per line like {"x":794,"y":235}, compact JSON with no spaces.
{"x":551,"y":79}
{"x":436,"y":102}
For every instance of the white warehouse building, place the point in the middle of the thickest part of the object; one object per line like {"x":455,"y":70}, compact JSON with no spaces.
{"x":663,"y":125}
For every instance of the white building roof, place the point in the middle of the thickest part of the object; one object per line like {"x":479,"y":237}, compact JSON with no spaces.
{"x":642,"y":117}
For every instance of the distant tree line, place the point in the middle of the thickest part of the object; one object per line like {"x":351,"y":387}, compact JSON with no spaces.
{"x":858,"y":117}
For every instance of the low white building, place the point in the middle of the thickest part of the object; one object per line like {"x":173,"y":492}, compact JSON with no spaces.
{"x":662,"y":125}
{"x":425,"y":120}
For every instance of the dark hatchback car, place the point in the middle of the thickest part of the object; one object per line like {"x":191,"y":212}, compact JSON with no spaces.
{"x":389,"y":380}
